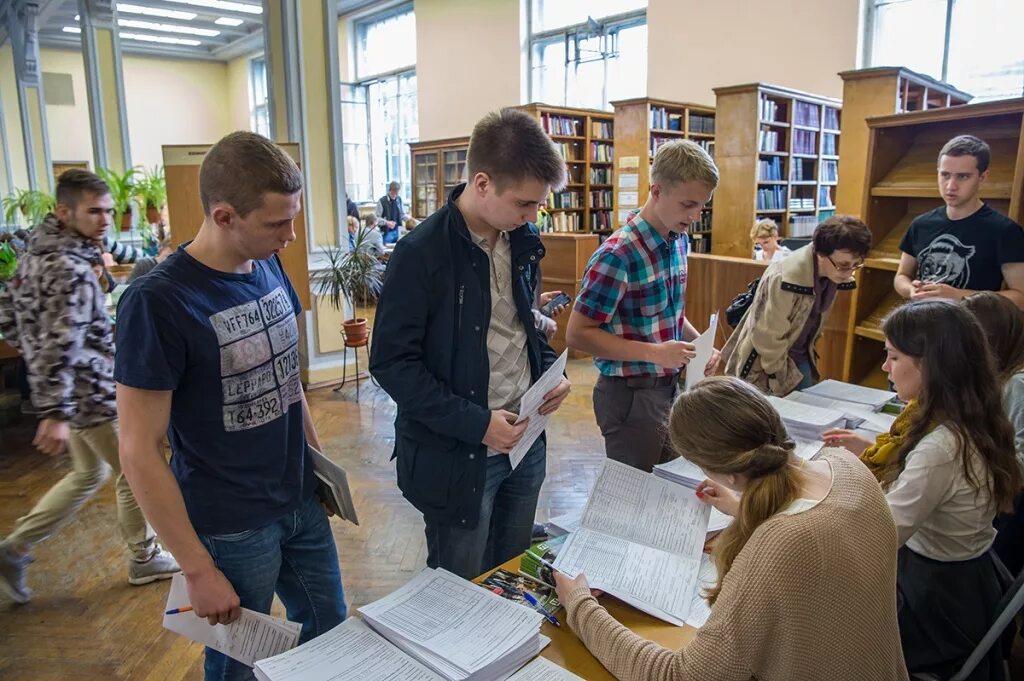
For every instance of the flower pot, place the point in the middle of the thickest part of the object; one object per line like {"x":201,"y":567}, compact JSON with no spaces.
{"x":152,"y":215}
{"x":355,"y":331}
{"x":126,"y":221}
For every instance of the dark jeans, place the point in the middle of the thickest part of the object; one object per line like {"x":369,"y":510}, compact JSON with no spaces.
{"x":808,"y":373}
{"x":505,"y":527}
{"x":634,"y":421}
{"x":294,"y":557}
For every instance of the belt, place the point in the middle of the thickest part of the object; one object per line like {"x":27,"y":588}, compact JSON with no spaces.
{"x":635,"y":382}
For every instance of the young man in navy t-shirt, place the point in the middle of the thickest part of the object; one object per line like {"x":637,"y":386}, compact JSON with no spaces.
{"x":208,"y":354}
{"x":964,"y":246}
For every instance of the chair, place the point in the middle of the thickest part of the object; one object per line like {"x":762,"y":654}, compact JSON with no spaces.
{"x":1009,"y":607}
{"x":355,"y":345}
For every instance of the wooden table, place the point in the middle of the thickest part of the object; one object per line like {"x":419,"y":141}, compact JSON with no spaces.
{"x":569,"y":652}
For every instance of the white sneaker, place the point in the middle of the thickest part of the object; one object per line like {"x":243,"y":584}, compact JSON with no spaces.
{"x":161,"y":565}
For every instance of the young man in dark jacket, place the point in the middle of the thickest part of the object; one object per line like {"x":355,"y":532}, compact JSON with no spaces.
{"x":456,"y":347}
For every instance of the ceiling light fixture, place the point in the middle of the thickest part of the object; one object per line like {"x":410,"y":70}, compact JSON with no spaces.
{"x":223,"y":5}
{"x":154,"y":12}
{"x":159,"y":39}
{"x":225,"y":21}
{"x":72,"y":29}
{"x":167,"y":28}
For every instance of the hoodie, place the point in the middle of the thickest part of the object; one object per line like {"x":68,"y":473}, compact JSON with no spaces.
{"x":53,"y":311}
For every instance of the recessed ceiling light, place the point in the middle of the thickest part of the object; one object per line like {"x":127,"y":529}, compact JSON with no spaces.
{"x":167,"y":28}
{"x":225,"y":21}
{"x":223,"y":5}
{"x":72,"y":29}
{"x":159,"y":39}
{"x":154,"y":12}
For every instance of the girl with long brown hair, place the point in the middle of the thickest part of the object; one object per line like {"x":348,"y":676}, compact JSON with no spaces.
{"x":806,"y":571}
{"x":953,"y":471}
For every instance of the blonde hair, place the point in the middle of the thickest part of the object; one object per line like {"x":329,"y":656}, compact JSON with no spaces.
{"x":726,"y":426}
{"x":683,"y":161}
{"x":764,"y":228}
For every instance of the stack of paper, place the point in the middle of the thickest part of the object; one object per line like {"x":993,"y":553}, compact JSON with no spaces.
{"x":857,"y":415}
{"x":564,"y":524}
{"x":455,"y":628}
{"x":640,"y":540}
{"x":251,"y":637}
{"x":837,"y":390}
{"x":804,"y":421}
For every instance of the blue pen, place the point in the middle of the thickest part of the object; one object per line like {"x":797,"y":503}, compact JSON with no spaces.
{"x":539,"y":608}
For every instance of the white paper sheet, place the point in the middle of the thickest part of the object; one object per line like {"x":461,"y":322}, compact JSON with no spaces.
{"x":251,"y":637}
{"x":338,"y":482}
{"x":542,"y":669}
{"x":531,"y":403}
{"x":350,"y":651}
{"x":838,"y":390}
{"x":565,"y":523}
{"x":699,"y":608}
{"x":705,"y":346}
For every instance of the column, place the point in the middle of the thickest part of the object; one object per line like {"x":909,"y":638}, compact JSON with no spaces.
{"x":104,"y":80}
{"x":24,"y":45}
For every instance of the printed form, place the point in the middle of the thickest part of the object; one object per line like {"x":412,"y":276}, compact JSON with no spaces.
{"x":529,"y":408}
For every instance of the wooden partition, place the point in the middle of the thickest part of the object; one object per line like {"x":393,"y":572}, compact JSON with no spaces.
{"x":565,"y":258}
{"x":185,"y":210}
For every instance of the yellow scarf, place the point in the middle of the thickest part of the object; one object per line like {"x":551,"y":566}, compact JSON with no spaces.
{"x":888,"y":444}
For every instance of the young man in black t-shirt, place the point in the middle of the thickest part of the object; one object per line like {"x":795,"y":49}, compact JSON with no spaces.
{"x":964,"y":246}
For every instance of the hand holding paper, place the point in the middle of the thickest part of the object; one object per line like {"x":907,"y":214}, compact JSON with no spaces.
{"x":704,"y":345}
{"x":530,"y":407}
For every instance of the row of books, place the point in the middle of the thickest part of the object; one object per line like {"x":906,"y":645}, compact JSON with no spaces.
{"x":768,"y":140}
{"x":601,"y":151}
{"x":768,"y":109}
{"x":570,"y":152}
{"x":601,"y":129}
{"x":771,"y":198}
{"x":702,"y":123}
{"x":659,"y":142}
{"x":704,"y":224}
{"x":602,"y":175}
{"x":661,"y":119}
{"x":802,"y":225}
{"x":563,"y":222}
{"x":829,"y":170}
{"x":831,"y":118}
{"x":830,"y":144}
{"x":601,"y":198}
{"x":565,"y":199}
{"x":805,"y":113}
{"x":801,"y":170}
{"x":700,"y":243}
{"x":805,"y":142}
{"x":801,"y":203}
{"x":825,"y":197}
{"x":560,"y":125}
{"x":770,"y":169}
{"x":601,"y":220}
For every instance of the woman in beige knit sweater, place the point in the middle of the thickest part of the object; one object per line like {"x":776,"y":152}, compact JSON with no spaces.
{"x":807,"y":570}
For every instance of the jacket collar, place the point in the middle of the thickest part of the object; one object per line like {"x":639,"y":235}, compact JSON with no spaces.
{"x":798,"y":271}
{"x":524,"y":241}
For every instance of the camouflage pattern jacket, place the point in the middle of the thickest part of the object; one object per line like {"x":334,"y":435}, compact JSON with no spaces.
{"x":53,"y":312}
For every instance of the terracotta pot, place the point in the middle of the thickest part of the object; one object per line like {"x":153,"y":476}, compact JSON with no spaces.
{"x":126,"y":221}
{"x":354,"y":330}
{"x":152,"y":215}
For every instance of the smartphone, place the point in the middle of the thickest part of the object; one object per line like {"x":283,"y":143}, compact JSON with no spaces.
{"x":560,"y":299}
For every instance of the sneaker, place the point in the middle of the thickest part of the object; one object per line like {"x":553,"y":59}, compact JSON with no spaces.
{"x":540,"y":531}
{"x":12,"y":574}
{"x":161,"y":565}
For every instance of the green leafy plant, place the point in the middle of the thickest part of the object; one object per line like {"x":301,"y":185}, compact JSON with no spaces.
{"x":350,"y":275}
{"x":8,"y":260}
{"x":31,"y":204}
{"x":151,"y":188}
{"x":122,"y":190}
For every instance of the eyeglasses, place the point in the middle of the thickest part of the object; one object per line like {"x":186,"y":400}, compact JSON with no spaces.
{"x":845,"y":268}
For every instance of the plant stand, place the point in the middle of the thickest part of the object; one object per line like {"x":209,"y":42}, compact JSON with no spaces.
{"x":355,"y":345}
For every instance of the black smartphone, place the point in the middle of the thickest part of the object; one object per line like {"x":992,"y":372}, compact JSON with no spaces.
{"x":560,"y":299}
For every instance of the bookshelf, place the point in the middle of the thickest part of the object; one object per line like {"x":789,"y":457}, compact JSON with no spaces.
{"x":586,"y":139}
{"x":641,"y":126}
{"x":778,"y":152}
{"x":900,"y":183}
{"x":437,"y":166}
{"x":877,"y":92}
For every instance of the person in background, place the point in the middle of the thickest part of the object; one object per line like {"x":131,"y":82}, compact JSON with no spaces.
{"x":146,"y":264}
{"x":765,"y":236}
{"x":773,"y":346}
{"x":805,"y":533}
{"x":351,"y":209}
{"x":391,"y":213}
{"x":116,"y":252}
{"x":368,"y":237}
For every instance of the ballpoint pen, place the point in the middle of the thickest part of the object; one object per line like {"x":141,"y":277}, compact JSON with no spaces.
{"x":540,"y":608}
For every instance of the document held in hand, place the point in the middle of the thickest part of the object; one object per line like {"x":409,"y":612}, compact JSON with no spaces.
{"x":529,"y":408}
{"x":251,"y":637}
{"x":332,"y":486}
{"x":704,"y":344}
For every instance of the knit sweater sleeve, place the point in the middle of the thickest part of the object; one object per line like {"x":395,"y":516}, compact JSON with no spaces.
{"x":717,"y":652}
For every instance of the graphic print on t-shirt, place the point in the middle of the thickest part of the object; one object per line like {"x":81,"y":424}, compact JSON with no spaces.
{"x":946,"y":260}
{"x":259,"y":360}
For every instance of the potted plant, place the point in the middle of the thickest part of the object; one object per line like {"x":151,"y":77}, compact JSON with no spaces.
{"x":351,"y":275}
{"x":122,"y":191}
{"x":152,"y":193}
{"x":32,"y":204}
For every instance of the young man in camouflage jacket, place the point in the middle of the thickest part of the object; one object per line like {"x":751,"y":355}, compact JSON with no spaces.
{"x":53,"y":311}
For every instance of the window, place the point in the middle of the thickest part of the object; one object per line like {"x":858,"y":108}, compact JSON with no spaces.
{"x":579,"y":60}
{"x":379,"y":114}
{"x":983,"y":55}
{"x":259,"y":112}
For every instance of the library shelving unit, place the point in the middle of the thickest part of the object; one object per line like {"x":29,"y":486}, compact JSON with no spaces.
{"x":901,"y":183}
{"x":586,"y":138}
{"x":777,"y":151}
{"x":877,"y":92}
{"x":437,"y":166}
{"x":641,"y":126}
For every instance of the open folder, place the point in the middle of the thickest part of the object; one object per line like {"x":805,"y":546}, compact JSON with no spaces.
{"x":332,"y":487}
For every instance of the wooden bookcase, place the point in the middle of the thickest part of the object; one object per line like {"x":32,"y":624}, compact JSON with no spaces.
{"x":777,"y":151}
{"x":641,"y":126}
{"x":901,"y":183}
{"x":437,"y":166}
{"x":585,"y":138}
{"x":878,"y":92}
{"x":566,"y":256}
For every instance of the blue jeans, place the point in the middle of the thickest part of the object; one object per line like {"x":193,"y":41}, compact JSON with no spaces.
{"x":295,"y":557}
{"x":808,"y":371}
{"x":506,"y":518}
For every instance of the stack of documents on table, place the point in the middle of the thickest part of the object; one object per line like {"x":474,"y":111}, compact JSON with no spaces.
{"x":565,"y":523}
{"x":848,"y":392}
{"x":858,"y":416}
{"x":455,"y":628}
{"x":640,"y":540}
{"x":804,"y":421}
{"x":251,"y":637}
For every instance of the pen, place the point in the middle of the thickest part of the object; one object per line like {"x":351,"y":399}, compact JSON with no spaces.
{"x":539,"y":608}
{"x":175,"y":611}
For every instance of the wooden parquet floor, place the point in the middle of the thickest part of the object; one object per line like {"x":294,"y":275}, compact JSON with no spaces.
{"x":85,"y":623}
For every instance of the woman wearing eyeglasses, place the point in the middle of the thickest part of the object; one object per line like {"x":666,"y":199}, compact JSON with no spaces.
{"x":773,"y":345}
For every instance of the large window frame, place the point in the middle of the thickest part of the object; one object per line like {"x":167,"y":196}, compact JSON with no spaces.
{"x":259,"y":100}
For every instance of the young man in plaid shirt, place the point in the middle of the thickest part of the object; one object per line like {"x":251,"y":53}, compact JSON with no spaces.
{"x":629,"y":314}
